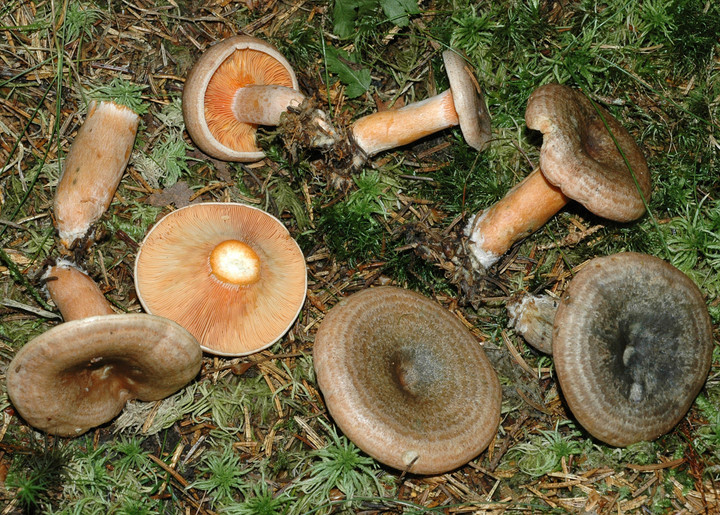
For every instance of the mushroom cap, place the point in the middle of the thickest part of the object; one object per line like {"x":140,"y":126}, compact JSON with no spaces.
{"x":207,"y":95}
{"x":406,"y":381}
{"x":174,"y":278}
{"x":579,"y":156}
{"x":469,"y":102}
{"x":80,"y":374}
{"x":632,"y":346}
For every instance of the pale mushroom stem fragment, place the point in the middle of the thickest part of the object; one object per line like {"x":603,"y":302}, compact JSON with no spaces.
{"x":93,"y":168}
{"x":533,"y":316}
{"x":525,"y":208}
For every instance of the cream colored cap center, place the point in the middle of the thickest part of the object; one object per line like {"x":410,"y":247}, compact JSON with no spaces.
{"x":235,"y":262}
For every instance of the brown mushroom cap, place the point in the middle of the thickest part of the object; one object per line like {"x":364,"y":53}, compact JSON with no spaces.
{"x":579,"y":156}
{"x":209,"y":91}
{"x":80,"y":374}
{"x":632,"y":346}
{"x":470,"y":106}
{"x":406,"y":381}
{"x":174,"y":276}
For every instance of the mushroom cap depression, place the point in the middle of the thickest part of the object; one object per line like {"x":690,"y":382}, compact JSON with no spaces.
{"x":406,"y":381}
{"x":229,"y":273}
{"x":632,"y":346}
{"x":579,"y":155}
{"x":81,"y":373}
{"x":209,"y":90}
{"x":473,"y":115}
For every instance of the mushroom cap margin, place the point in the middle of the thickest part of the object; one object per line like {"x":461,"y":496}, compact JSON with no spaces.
{"x":469,"y":103}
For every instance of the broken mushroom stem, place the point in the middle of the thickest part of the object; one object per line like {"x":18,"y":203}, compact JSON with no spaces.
{"x":93,"y":168}
{"x":532,"y":317}
{"x":463,"y":104}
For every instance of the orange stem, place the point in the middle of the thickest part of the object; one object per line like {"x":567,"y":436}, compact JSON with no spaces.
{"x":396,"y":127}
{"x":525,"y":208}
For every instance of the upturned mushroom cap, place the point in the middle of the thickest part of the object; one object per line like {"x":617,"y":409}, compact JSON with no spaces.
{"x":209,"y":91}
{"x":93,"y":168}
{"x":406,"y":381}
{"x":580,"y":157}
{"x":80,"y":374}
{"x":469,"y":102}
{"x":229,"y":273}
{"x":632,"y":346}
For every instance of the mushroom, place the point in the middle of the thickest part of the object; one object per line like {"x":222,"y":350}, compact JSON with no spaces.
{"x":93,"y":168}
{"x":81,"y":373}
{"x":238,"y":84}
{"x":579,"y":160}
{"x":632,"y":344}
{"x":406,"y":381}
{"x":229,"y":273}
{"x":462,"y":104}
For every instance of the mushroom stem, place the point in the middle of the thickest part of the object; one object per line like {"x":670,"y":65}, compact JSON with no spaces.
{"x":74,"y":293}
{"x":393,"y":128}
{"x":93,"y":168}
{"x":532,"y":316}
{"x":525,"y":208}
{"x":263,"y":104}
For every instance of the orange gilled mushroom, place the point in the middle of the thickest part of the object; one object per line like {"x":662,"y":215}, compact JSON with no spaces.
{"x":229,"y":273}
{"x":238,"y":84}
{"x":81,"y":373}
{"x":463,"y":104}
{"x":93,"y":168}
{"x":579,"y":160}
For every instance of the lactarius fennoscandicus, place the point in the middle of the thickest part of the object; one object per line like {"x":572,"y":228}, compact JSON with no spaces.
{"x":463,"y":104}
{"x":632,"y":344}
{"x":81,"y":373}
{"x":579,"y":160}
{"x":237,"y":85}
{"x":229,"y":273}
{"x":406,"y":381}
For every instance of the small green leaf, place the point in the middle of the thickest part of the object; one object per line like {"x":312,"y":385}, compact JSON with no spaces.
{"x":344,"y":16}
{"x":397,"y":11}
{"x":356,"y":78}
